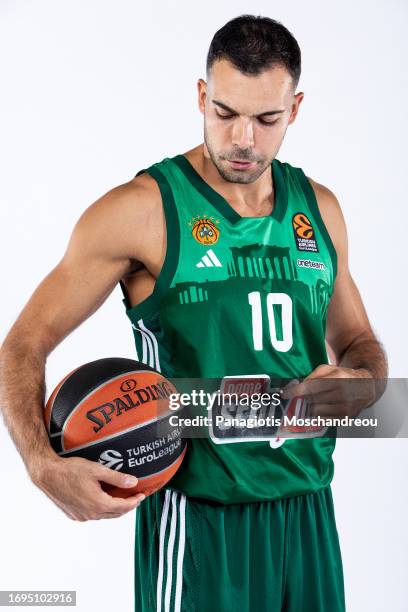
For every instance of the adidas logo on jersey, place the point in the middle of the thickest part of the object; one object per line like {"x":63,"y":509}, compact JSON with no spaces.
{"x":210,"y":260}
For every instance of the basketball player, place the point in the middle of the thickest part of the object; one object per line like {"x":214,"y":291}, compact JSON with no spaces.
{"x":232,"y":263}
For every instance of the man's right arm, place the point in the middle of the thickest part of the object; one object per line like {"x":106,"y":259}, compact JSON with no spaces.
{"x":102,"y":249}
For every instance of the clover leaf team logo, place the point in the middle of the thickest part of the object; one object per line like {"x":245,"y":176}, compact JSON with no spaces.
{"x":304,"y":233}
{"x":204,"y":229}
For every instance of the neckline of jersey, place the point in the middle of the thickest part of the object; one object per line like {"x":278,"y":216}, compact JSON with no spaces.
{"x":222,"y":205}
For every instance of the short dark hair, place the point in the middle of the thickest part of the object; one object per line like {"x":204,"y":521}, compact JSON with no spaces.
{"x":253,"y":44}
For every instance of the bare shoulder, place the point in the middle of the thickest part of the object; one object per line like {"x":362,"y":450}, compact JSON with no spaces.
{"x":124,"y":220}
{"x":332,"y":215}
{"x":138,"y":198}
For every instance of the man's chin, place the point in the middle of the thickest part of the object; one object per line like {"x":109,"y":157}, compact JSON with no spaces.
{"x":240,"y":176}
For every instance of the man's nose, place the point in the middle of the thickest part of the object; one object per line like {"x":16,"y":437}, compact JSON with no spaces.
{"x":243,"y":134}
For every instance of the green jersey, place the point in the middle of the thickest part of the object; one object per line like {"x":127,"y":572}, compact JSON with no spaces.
{"x":240,"y":296}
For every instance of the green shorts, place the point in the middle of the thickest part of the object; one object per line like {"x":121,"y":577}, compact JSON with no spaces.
{"x":270,"y":556}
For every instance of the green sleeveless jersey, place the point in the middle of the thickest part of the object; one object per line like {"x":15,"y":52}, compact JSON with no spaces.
{"x":240,"y":296}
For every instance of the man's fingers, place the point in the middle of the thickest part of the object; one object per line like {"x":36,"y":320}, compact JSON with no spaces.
{"x":120,"y":505}
{"x":110,"y":515}
{"x":137,"y":501}
{"x":327,"y":410}
{"x":113,"y":508}
{"x":115,"y":478}
{"x":310,"y":389}
{"x":325,"y":396}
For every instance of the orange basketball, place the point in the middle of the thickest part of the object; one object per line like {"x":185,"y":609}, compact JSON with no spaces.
{"x":116,"y":411}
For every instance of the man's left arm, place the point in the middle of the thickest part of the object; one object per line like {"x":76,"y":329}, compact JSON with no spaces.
{"x":349,"y":335}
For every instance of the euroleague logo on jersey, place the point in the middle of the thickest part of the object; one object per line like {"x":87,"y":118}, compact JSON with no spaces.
{"x":304,"y":233}
{"x":204,"y":229}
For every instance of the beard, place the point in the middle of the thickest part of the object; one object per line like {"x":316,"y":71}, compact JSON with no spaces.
{"x":227,"y":172}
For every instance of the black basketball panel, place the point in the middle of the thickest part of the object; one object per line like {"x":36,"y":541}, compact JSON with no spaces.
{"x":84,"y":381}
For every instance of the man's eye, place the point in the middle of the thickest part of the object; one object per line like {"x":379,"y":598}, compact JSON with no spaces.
{"x":267,"y":122}
{"x":224,"y":116}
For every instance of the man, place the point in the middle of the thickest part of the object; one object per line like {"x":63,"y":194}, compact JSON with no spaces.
{"x":232,"y":264}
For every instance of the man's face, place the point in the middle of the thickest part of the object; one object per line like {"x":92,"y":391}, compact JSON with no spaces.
{"x":245,"y":118}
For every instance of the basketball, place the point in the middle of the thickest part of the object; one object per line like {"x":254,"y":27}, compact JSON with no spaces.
{"x":116,"y":411}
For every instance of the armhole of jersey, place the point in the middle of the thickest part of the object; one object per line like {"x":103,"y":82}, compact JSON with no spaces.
{"x":314,"y":208}
{"x":166,"y":275}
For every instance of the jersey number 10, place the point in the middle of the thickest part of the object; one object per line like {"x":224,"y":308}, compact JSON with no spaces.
{"x":284,"y":301}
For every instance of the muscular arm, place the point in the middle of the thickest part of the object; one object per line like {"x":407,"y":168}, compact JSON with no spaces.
{"x":349,"y":334}
{"x":103,"y":248}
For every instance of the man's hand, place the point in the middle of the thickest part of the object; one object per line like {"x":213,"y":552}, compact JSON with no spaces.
{"x":358,"y":378}
{"x":73,"y":484}
{"x":335,"y":391}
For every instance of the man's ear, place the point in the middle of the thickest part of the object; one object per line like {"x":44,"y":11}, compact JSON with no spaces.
{"x":202,"y":89}
{"x":295,"y":106}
